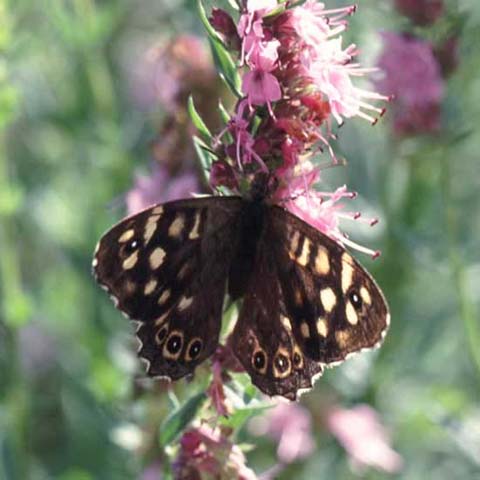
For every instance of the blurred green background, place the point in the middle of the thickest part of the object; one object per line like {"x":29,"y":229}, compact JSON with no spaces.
{"x":73,"y":405}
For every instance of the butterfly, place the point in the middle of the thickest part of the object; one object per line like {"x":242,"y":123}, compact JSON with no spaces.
{"x":306,"y":303}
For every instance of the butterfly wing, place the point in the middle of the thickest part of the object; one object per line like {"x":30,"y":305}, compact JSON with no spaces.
{"x":262,"y":339}
{"x":334,"y":305}
{"x":166,"y":268}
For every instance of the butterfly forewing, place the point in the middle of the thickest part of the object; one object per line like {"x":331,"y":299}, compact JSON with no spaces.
{"x":335,"y":306}
{"x":166,"y":268}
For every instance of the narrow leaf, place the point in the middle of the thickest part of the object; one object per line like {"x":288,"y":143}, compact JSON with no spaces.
{"x":198,"y":121}
{"x":180,"y":418}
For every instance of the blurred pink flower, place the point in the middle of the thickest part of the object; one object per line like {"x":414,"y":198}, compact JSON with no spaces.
{"x":361,"y":433}
{"x":420,"y":12}
{"x":159,"y":187}
{"x":290,"y":425}
{"x":416,"y":106}
{"x":208,"y":453}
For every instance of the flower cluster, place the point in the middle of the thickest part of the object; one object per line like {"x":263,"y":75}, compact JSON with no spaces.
{"x":208,"y":453}
{"x":297,"y":81}
{"x":406,"y":57}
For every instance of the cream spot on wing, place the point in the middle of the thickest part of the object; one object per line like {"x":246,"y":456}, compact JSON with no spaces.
{"x":328,"y":299}
{"x":322,"y":262}
{"x":164,"y":296}
{"x":194,"y":232}
{"x":150,"y":287}
{"x":130,"y":261}
{"x":365,"y":294}
{"x":161,"y":318}
{"x":157,"y":257}
{"x":298,"y":297}
{"x":95,"y":262}
{"x":150,"y":227}
{"x":351,"y":313}
{"x":347,"y":272}
{"x":157,"y":210}
{"x":176,"y":226}
{"x":322,"y":327}
{"x":184,"y":303}
{"x":129,"y":287}
{"x":126,"y":236}
{"x":294,"y":245}
{"x":305,"y":330}
{"x":342,"y":337}
{"x":161,"y":334}
{"x":286,"y":322}
{"x":183,"y":271}
{"x":305,"y":253}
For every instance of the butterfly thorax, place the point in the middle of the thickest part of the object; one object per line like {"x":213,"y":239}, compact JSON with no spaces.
{"x":250,"y":229}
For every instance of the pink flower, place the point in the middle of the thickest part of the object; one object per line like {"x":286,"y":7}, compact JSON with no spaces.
{"x":215,"y":390}
{"x":405,"y":60}
{"x":159,"y":187}
{"x":364,"y":438}
{"x":260,"y":87}
{"x":324,"y":210}
{"x":312,"y":23}
{"x":208,"y":453}
{"x":223,"y":23}
{"x":243,"y":147}
{"x":421,"y":12}
{"x":290,"y":425}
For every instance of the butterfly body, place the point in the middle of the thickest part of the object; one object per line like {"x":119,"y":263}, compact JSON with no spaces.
{"x":306,"y":302}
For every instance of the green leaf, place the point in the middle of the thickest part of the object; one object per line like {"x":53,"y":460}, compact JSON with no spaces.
{"x":205,"y":155}
{"x":244,"y":406}
{"x":198,"y":121}
{"x":180,"y":418}
{"x":213,"y":35}
{"x":223,"y":61}
{"x":226,"y":67}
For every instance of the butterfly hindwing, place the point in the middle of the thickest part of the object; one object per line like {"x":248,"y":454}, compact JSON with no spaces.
{"x":262,"y":339}
{"x":335,"y":306}
{"x":166,"y":268}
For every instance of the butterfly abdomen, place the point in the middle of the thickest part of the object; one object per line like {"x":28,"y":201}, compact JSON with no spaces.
{"x":250,"y":232}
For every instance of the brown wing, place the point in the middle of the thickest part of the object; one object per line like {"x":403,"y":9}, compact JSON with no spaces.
{"x":262,"y":339}
{"x":166,"y":268}
{"x":334,"y":305}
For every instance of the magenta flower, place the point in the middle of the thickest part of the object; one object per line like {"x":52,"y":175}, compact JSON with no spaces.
{"x":159,"y":187}
{"x":421,"y":12}
{"x":405,"y":60}
{"x":361,"y":433}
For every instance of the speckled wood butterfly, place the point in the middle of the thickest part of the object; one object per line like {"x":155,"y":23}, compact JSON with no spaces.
{"x":307,"y":303}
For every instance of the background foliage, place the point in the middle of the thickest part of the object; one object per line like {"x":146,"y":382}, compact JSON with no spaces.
{"x":73,"y":404}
